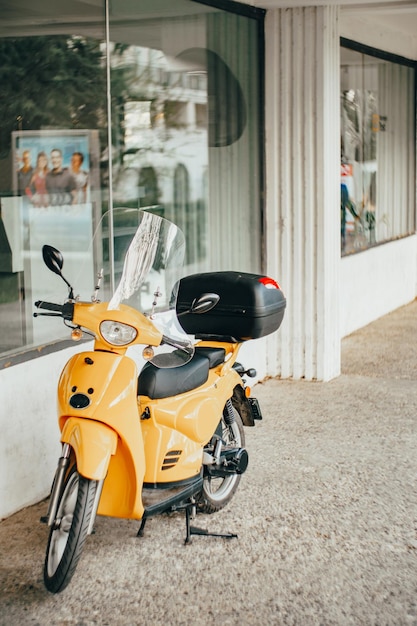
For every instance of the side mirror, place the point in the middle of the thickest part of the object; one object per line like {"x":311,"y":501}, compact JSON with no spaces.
{"x":204,"y":303}
{"x":53,"y":259}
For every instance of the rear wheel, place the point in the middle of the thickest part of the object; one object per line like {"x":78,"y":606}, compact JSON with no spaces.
{"x":69,"y":530}
{"x":218,"y":491}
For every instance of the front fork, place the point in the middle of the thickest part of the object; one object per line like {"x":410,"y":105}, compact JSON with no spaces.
{"x":57,"y":486}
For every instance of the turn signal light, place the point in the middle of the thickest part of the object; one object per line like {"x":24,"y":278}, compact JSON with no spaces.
{"x":76,"y":334}
{"x":148,"y":353}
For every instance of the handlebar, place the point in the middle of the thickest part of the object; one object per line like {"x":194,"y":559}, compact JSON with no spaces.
{"x":49,"y":306}
{"x":65,"y":310}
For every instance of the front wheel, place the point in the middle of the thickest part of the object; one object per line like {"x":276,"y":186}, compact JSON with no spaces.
{"x":218,"y":491}
{"x":69,"y":530}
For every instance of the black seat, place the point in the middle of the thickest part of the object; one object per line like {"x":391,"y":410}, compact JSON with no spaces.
{"x":214,"y":355}
{"x":162,"y":383}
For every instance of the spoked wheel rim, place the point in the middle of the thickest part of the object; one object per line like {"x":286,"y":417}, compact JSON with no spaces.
{"x":62,"y":527}
{"x":218,"y":488}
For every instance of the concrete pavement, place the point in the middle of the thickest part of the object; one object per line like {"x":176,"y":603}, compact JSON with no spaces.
{"x":326,"y":517}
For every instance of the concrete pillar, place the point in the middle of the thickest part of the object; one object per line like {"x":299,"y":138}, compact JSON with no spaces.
{"x":303,"y":187}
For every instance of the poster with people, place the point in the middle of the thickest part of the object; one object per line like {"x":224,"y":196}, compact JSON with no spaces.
{"x":53,"y":168}
{"x":57,"y":196}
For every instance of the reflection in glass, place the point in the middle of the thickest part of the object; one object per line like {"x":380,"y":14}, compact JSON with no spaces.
{"x":377,"y":151}
{"x":52,"y":137}
{"x":185,"y":129}
{"x":184,"y":115}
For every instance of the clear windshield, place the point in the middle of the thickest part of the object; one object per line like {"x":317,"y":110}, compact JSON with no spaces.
{"x":148,"y":253}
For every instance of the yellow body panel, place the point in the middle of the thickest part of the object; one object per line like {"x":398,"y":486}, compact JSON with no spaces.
{"x":91,"y":314}
{"x":110,"y":382}
{"x":183,"y":424}
{"x":93,"y":444}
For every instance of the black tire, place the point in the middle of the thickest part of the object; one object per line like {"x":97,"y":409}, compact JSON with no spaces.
{"x":69,"y":531}
{"x":217,"y":492}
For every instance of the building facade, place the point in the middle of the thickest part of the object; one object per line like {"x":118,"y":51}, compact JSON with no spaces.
{"x":248,"y":126}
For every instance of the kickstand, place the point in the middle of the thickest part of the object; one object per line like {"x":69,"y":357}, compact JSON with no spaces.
{"x":194,"y":530}
{"x":142,"y":527}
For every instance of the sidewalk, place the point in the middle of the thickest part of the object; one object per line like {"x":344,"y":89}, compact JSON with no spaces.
{"x":326,"y":518}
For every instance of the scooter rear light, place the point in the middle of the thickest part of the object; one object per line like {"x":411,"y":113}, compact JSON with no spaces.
{"x":269,"y":283}
{"x":116,"y":333}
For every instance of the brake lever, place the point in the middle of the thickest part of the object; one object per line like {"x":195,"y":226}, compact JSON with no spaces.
{"x":47,"y":314}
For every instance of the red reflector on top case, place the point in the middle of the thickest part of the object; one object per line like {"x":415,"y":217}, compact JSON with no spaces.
{"x":270,"y":283}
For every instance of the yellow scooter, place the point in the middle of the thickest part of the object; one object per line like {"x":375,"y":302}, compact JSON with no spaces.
{"x":170,"y":438}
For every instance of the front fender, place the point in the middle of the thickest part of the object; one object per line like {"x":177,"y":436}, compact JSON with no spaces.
{"x":93,"y":444}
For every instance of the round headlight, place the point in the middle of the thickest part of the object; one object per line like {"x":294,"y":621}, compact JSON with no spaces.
{"x":117,"y":334}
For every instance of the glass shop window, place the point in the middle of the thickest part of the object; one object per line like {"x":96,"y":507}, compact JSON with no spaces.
{"x":53,"y":183}
{"x":377,"y":150}
{"x":179,"y":90}
{"x":196,"y":71}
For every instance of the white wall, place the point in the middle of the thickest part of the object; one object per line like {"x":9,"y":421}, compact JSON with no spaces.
{"x":377,"y":281}
{"x":377,"y":32}
{"x":302,"y":121}
{"x":29,"y":445}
